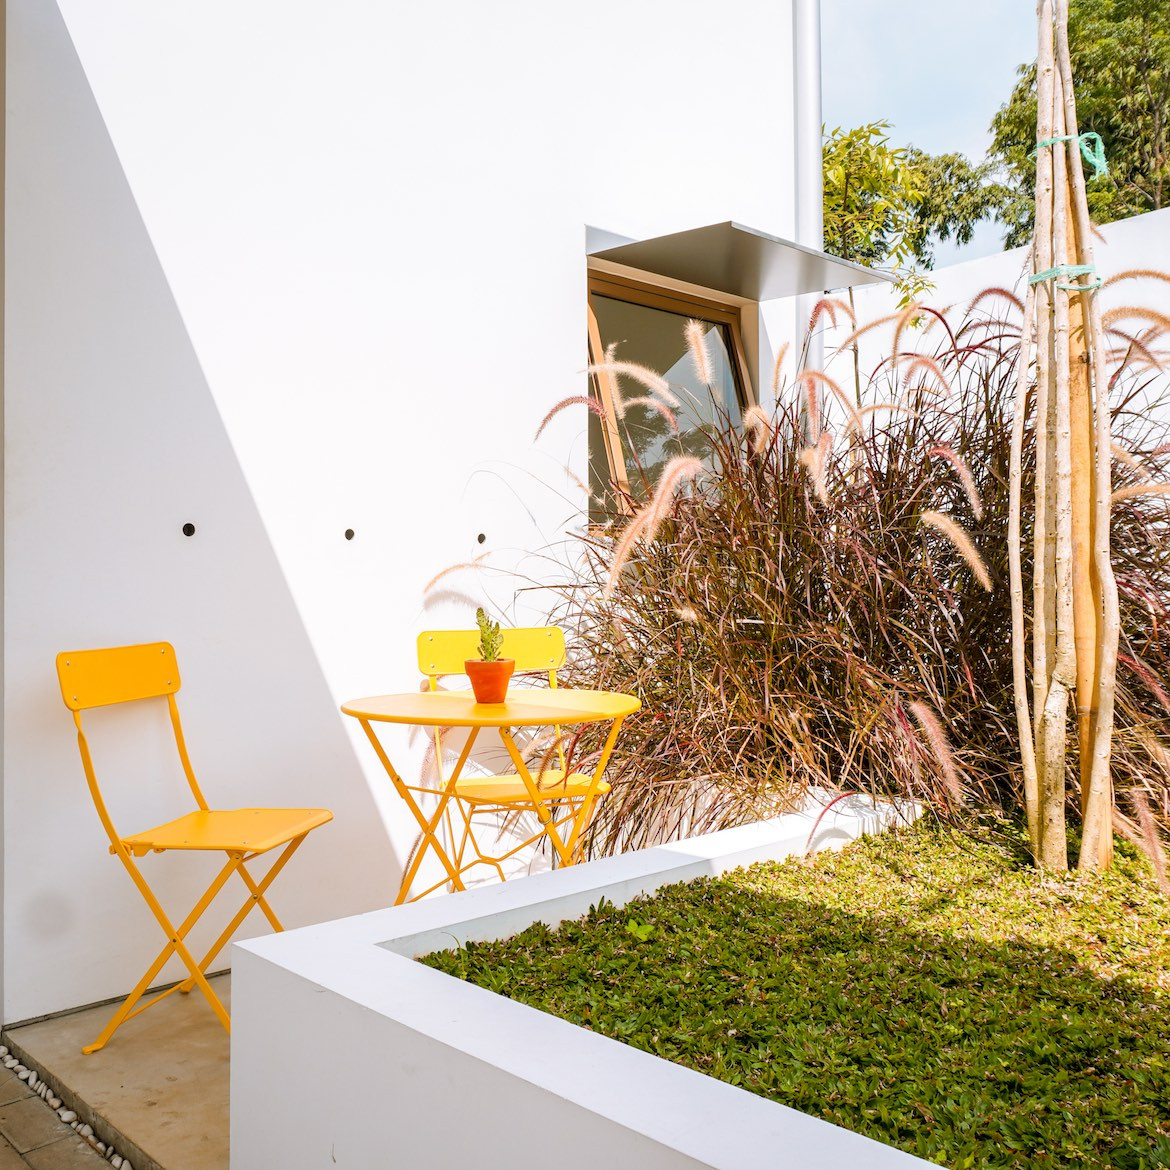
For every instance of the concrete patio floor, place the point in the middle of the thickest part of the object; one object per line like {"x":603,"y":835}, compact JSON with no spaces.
{"x":158,"y":1090}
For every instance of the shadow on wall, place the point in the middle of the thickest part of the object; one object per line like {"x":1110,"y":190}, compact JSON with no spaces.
{"x":128,"y":519}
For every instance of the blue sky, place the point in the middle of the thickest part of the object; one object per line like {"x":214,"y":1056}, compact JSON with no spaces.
{"x":937,"y":70}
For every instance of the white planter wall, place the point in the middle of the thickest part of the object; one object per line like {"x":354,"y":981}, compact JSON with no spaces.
{"x":347,"y":1053}
{"x":282,"y":269}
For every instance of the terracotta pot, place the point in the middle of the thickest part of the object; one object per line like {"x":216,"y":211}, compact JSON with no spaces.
{"x":489,"y":680}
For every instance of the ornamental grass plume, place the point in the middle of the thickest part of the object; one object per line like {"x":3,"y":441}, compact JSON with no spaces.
{"x":653,"y":382}
{"x":587,"y":401}
{"x":943,"y":451}
{"x":778,"y":369}
{"x":757,"y":428}
{"x":644,"y":525}
{"x":696,"y":335}
{"x":962,"y":545}
{"x":1150,"y":842}
{"x":937,"y":738}
{"x":815,"y":459}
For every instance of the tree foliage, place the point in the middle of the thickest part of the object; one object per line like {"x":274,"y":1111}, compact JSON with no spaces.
{"x":888,"y":205}
{"x":1120,"y":52}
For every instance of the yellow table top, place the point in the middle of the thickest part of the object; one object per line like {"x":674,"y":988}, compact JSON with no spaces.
{"x":523,"y":707}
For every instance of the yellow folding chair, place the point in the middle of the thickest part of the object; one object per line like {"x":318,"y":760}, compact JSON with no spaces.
{"x":560,"y":799}
{"x":124,"y":674}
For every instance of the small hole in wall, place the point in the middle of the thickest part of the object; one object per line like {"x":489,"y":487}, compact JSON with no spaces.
{"x":481,"y":538}
{"x":349,"y":534}
{"x":188,"y":529}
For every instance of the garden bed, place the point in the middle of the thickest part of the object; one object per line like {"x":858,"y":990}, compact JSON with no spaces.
{"x":348,"y":1053}
{"x":926,"y":989}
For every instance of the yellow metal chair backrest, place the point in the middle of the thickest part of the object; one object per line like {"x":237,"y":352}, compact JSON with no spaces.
{"x":443,"y":652}
{"x":98,"y":678}
{"x":122,"y":674}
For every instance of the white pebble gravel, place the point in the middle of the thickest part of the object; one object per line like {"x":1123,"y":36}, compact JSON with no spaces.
{"x":68,"y":1116}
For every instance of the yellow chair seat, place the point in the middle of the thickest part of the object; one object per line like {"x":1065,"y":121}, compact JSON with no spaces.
{"x":254,"y":830}
{"x":510,"y":789}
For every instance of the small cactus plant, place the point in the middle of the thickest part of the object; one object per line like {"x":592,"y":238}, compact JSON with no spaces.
{"x":490,"y":638}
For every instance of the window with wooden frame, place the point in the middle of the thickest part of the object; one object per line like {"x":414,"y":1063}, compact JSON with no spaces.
{"x":646,"y":324}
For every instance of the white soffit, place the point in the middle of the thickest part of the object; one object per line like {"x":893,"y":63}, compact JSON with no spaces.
{"x":731,"y":258}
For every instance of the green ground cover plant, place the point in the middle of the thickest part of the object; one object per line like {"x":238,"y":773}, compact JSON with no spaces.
{"x":927,"y":988}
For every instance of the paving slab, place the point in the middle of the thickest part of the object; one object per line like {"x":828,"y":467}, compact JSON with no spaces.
{"x":159,"y":1088}
{"x":29,"y":1123}
{"x":9,"y":1158}
{"x":71,"y":1153}
{"x":12,"y":1088}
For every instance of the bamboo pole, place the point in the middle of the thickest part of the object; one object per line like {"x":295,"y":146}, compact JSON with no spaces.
{"x":1016,"y":577}
{"x":1049,"y":756}
{"x":1054,"y":719}
{"x":1097,"y":838}
{"x":1086,"y":594}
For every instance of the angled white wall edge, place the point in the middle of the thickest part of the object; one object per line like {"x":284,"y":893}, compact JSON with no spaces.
{"x":346,"y":1052}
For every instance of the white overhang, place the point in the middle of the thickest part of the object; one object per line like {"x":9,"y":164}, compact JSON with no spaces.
{"x":730,"y":258}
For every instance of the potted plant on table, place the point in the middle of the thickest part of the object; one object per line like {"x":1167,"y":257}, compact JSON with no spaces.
{"x":489,"y":673}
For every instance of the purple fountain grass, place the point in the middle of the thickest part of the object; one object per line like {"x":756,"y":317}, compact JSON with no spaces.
{"x":779,"y":638}
{"x":757,"y":427}
{"x":645,"y":524}
{"x":994,"y":293}
{"x":1150,"y":841}
{"x":652,"y":404}
{"x":945,"y":451}
{"x":778,"y":369}
{"x":1140,"y":489}
{"x":940,"y":745}
{"x":859,"y":416}
{"x":585,"y":400}
{"x":962,"y":543}
{"x":913,"y":362}
{"x":645,"y":376}
{"x":815,"y":460}
{"x":696,"y":335}
{"x":1136,"y":274}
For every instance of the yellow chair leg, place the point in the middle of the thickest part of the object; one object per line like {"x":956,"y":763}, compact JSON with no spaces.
{"x":175,"y":946}
{"x":429,"y":825}
{"x":257,"y":899}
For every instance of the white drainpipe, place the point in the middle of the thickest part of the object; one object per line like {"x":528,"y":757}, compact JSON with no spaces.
{"x":806,"y":95}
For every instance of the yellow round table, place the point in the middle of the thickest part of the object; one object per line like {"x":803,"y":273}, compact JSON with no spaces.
{"x":549,"y":794}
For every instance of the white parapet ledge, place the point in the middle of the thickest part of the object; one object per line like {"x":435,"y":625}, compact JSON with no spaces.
{"x":347,"y":1053}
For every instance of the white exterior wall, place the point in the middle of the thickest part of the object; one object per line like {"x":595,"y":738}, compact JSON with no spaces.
{"x":291,"y":269}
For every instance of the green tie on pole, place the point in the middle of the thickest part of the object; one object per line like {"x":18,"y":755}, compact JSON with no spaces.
{"x":1092,"y":149}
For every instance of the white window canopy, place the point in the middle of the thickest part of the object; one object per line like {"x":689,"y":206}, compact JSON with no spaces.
{"x":737,"y":260}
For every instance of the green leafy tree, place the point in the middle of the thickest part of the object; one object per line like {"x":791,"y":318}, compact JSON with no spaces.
{"x":871,"y":194}
{"x":888,"y":205}
{"x":1120,"y":53}
{"x":957,"y":194}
